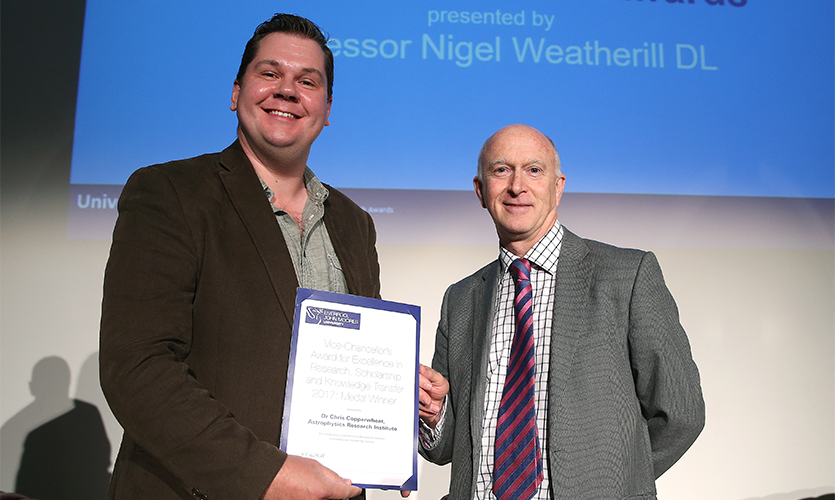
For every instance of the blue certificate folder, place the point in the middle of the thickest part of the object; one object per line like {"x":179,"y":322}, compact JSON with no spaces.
{"x":352,"y":388}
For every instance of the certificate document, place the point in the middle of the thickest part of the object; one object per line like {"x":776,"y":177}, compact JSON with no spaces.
{"x":352,"y":388}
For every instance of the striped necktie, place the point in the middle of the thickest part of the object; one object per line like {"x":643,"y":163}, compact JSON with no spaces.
{"x":517,"y":470}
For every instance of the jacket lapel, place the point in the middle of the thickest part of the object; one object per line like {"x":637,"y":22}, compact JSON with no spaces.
{"x":245,"y":193}
{"x":348,"y":247}
{"x":570,"y":306}
{"x":484,"y":299}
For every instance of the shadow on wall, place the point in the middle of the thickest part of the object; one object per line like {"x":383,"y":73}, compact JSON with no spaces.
{"x":58,"y":444}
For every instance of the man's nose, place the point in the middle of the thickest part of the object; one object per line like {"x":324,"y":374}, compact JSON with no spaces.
{"x":517,"y":183}
{"x":286,"y":89}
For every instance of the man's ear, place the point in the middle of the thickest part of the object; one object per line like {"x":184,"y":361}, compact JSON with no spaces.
{"x":236,"y":91}
{"x":560,"y":187}
{"x":328,"y":116}
{"x":477,"y":187}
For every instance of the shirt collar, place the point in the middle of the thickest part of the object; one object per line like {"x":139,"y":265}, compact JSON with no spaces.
{"x":316,"y":191}
{"x":544,"y":254}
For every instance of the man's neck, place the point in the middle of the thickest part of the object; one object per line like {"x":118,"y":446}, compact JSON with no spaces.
{"x":289,"y":193}
{"x":284,"y":175}
{"x":283,"y":163}
{"x":520,"y":247}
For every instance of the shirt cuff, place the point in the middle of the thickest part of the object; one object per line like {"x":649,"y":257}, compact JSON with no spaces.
{"x":429,"y":437}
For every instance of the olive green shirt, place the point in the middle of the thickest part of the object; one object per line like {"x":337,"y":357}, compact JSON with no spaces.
{"x":314,"y":258}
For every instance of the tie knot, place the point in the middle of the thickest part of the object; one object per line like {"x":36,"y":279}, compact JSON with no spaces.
{"x":521,"y":270}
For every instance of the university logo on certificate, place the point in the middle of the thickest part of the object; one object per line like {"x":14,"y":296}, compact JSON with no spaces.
{"x":352,"y":388}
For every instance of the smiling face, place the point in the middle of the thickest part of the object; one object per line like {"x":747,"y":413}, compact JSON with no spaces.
{"x":520,"y":184}
{"x":282,"y":101}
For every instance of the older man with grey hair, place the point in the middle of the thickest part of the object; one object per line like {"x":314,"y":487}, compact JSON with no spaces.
{"x":560,"y":369}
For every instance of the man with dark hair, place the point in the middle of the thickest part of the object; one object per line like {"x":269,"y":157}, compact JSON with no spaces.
{"x":295,"y":25}
{"x":560,"y":369}
{"x":200,"y":286}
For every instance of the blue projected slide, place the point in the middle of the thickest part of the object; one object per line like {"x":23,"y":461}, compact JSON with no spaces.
{"x":695,"y":97}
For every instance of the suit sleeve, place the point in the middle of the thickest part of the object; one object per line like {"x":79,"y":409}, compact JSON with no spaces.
{"x":146,"y":336}
{"x":666,"y":377}
{"x":441,"y":454}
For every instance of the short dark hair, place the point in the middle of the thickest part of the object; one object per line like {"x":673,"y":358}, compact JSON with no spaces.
{"x":294,"y":25}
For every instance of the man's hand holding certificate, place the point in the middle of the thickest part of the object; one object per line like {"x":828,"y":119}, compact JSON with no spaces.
{"x":351,"y":400}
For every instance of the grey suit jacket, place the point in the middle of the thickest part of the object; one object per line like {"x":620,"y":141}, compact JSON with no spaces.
{"x":624,"y":398}
{"x":197,"y":317}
